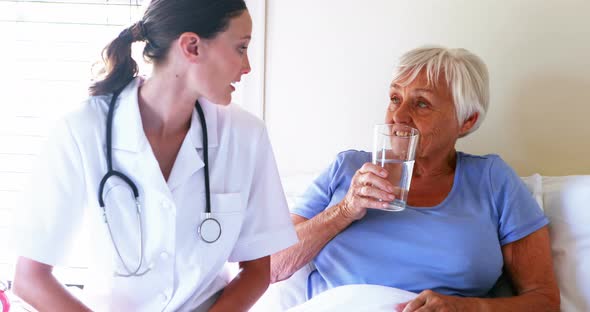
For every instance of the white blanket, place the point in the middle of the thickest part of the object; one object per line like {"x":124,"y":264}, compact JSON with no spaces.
{"x":356,"y":298}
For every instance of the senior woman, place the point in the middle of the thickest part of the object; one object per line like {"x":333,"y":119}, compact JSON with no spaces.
{"x":468,"y":219}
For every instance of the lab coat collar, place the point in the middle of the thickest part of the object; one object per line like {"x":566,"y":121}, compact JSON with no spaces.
{"x":128,"y":131}
{"x":188,"y":161}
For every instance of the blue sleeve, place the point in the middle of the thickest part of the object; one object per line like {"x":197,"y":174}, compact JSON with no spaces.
{"x":518,"y":213}
{"x":318,"y":195}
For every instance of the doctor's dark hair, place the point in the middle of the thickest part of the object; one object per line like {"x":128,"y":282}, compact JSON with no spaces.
{"x":162,"y":23}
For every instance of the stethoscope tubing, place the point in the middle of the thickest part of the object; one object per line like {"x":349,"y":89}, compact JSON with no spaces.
{"x":204,"y":229}
{"x":205,"y":156}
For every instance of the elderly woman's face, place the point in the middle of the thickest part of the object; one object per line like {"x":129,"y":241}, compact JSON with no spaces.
{"x":429,"y":109}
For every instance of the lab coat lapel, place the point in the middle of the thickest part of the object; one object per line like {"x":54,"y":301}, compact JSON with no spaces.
{"x":190,"y":157}
{"x":187,"y":163}
{"x":132,"y":153}
{"x":127,"y":131}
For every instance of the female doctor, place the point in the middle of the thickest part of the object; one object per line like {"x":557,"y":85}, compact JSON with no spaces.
{"x":172,"y":184}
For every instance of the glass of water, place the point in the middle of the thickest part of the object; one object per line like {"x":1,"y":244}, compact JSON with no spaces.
{"x":395,"y":150}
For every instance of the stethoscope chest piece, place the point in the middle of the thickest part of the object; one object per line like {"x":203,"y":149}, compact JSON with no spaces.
{"x":210,"y":229}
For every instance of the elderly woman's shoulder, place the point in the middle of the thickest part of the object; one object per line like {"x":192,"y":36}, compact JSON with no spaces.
{"x":488,"y":158}
{"x":351,"y":160}
{"x":353,"y":156}
{"x":490,"y":163}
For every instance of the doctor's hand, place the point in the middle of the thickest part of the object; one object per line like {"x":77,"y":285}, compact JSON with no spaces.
{"x":368,"y":186}
{"x":430,"y":301}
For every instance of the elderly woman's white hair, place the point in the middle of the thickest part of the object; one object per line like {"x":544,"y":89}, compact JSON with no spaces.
{"x":465,"y":73}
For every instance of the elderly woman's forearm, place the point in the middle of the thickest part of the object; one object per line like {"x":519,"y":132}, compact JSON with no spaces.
{"x":533,"y":301}
{"x":313,"y":235}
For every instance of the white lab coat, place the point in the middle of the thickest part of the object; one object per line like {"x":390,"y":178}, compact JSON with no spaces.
{"x":246,"y":198}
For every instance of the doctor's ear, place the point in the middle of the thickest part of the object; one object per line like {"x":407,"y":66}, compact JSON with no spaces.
{"x":191,"y":46}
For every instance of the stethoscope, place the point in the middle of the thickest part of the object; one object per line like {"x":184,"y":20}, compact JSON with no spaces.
{"x":209,"y":230}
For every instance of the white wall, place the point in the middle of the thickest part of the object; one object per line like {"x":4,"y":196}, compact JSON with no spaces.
{"x":329,"y":63}
{"x":250,"y":92}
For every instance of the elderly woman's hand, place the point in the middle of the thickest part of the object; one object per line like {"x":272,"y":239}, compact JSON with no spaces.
{"x":368,"y":189}
{"x":430,"y":301}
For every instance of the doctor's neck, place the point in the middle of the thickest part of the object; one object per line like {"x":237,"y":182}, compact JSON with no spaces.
{"x":165,"y":104}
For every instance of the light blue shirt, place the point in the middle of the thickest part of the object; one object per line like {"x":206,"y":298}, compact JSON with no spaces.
{"x":453,"y":248}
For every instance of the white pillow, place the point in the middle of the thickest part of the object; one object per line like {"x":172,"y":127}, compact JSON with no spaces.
{"x":567,"y":205}
{"x":535,"y":184}
{"x":295,"y":185}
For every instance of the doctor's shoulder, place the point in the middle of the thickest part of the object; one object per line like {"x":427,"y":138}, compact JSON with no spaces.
{"x":242,"y":122}
{"x":88,"y":114}
{"x":81,"y":123}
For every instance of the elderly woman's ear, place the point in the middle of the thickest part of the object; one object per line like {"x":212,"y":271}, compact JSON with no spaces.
{"x":468,"y":124}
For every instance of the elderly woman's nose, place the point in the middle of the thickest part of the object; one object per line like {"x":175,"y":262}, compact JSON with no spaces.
{"x":402,"y":114}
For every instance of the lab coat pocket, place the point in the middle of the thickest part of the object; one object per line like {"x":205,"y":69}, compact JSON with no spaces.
{"x":226,"y":203}
{"x":228,"y":210}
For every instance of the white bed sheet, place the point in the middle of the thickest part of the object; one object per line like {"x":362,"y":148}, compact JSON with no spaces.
{"x":356,"y":298}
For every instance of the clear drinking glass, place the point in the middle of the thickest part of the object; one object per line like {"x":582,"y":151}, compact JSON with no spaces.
{"x":395,"y":150}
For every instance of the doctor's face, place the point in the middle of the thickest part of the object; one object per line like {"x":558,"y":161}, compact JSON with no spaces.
{"x":226,"y":60}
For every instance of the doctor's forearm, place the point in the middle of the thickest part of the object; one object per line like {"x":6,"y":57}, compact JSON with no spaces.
{"x":35,"y":284}
{"x":246,"y":288}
